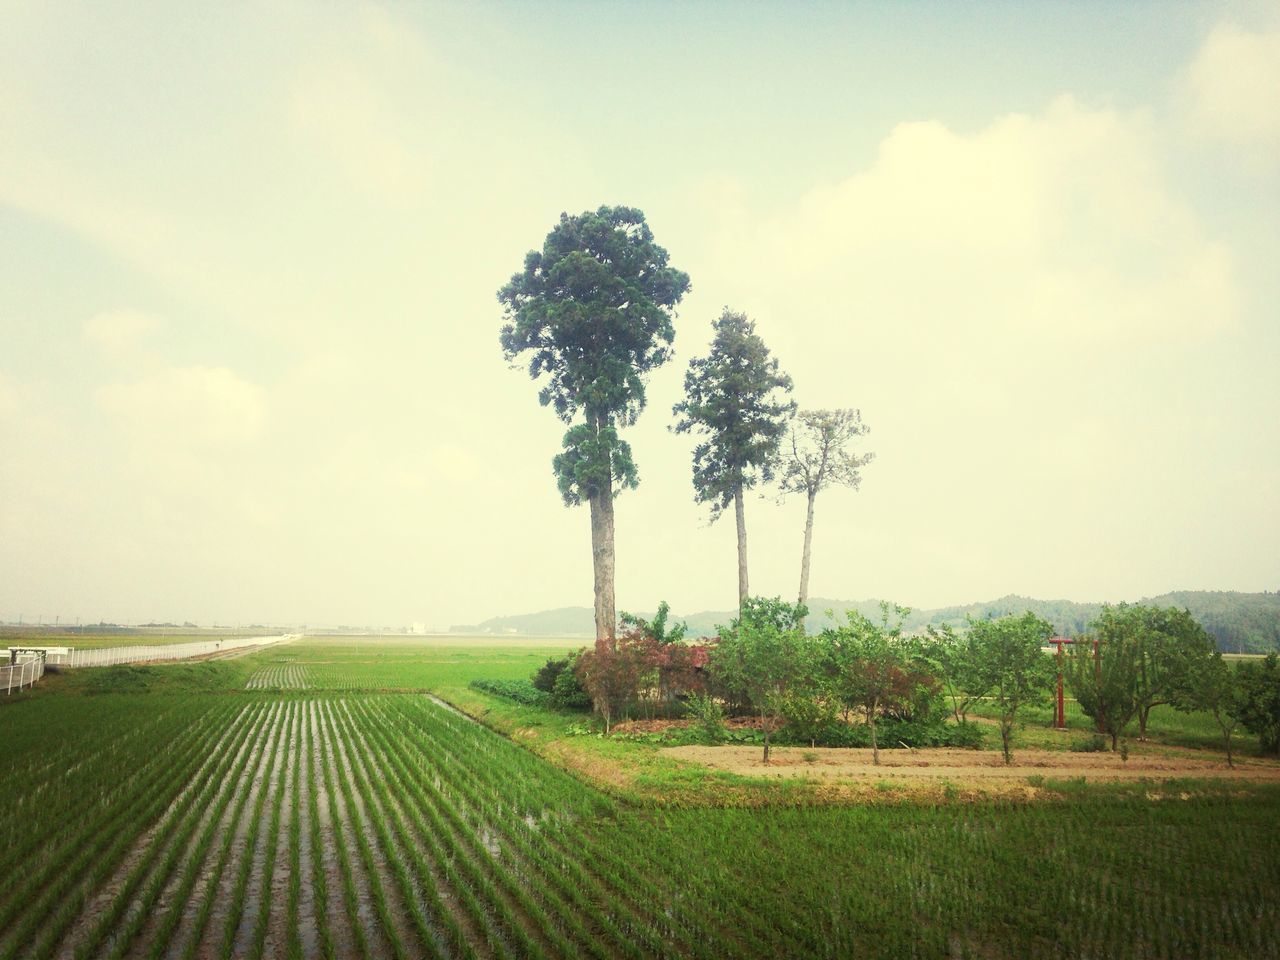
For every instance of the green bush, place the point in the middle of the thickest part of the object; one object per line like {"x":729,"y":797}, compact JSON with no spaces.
{"x":890,"y":733}
{"x":567,"y":691}
{"x":1095,"y":744}
{"x":546,"y":675}
{"x":521,"y":691}
{"x":709,"y":717}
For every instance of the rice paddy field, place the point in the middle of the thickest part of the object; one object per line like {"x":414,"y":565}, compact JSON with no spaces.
{"x":326,"y":799}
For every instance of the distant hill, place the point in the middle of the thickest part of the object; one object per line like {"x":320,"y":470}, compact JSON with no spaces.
{"x":1240,"y":622}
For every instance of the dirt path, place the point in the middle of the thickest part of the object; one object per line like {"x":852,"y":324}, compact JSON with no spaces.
{"x":967,"y":765}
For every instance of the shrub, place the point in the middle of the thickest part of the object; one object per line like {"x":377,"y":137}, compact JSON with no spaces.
{"x":1095,"y":744}
{"x":890,"y":734}
{"x":546,"y":675}
{"x":521,"y":691}
{"x":708,"y":713}
{"x":567,"y":691}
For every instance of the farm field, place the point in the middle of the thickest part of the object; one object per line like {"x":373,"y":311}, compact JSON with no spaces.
{"x":198,"y":817}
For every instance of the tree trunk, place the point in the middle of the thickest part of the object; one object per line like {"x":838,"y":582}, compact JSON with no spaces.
{"x":1142,"y":722}
{"x":602,"y":564}
{"x":1005,"y":730}
{"x":875,"y":747}
{"x":766,"y":726}
{"x":743,"y":592}
{"x":808,"y":547}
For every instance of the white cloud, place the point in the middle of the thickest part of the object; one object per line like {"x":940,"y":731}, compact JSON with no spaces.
{"x":1056,"y":227}
{"x":1232,"y":89}
{"x":182,"y":406}
{"x":118,"y":333}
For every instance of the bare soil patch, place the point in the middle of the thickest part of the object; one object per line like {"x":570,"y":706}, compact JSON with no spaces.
{"x":967,"y":765}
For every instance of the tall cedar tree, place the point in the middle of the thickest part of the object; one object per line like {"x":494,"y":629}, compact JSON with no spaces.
{"x":735,"y":397}
{"x":819,"y":456}
{"x":593,"y":309}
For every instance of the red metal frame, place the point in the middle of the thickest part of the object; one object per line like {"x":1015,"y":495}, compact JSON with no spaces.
{"x":1060,"y":716}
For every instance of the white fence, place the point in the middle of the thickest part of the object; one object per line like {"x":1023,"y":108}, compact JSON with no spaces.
{"x":14,"y":677}
{"x":109,"y":656}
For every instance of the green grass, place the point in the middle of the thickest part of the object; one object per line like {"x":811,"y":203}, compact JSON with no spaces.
{"x":467,"y":840}
{"x":1166,"y":726}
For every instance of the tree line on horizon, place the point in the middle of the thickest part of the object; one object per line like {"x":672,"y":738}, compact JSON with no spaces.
{"x":592,"y":314}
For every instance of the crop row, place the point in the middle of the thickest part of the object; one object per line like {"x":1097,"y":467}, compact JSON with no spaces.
{"x":280,"y":677}
{"x":388,"y":826}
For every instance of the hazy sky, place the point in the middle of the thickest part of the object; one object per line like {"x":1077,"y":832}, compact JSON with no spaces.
{"x":249,"y":361}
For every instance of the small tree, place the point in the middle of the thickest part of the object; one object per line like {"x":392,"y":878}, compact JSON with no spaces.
{"x":761,"y":656}
{"x":1012,"y":666}
{"x":614,"y":675}
{"x":1166,"y":642}
{"x":956,"y":659}
{"x":871,"y":667}
{"x":1102,"y":673}
{"x":1210,"y":686}
{"x":1259,"y":707}
{"x":819,"y":456}
{"x":735,"y":397}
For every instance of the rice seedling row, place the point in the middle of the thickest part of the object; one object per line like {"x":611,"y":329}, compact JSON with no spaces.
{"x":280,"y":677}
{"x":378,"y":825}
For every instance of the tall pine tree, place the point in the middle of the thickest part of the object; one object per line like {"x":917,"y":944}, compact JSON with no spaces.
{"x":593,"y":309}
{"x":736,"y":399}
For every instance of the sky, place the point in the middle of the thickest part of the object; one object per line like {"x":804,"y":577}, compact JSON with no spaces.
{"x":249,"y":359}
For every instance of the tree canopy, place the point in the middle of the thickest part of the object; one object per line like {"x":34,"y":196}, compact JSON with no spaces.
{"x":820,"y":456}
{"x":593,"y":311}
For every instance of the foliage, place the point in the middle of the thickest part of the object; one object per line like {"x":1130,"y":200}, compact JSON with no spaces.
{"x":593,"y":308}
{"x":808,"y":713}
{"x":649,"y":666}
{"x":521,"y":691}
{"x":1258,"y":707}
{"x":1102,"y":674}
{"x":735,"y":397}
{"x":593,"y":311}
{"x":956,"y":660}
{"x":656,"y":629}
{"x":1011,"y":666}
{"x":544,"y":678}
{"x":709,"y":717}
{"x":761,"y":656}
{"x":1146,"y":657}
{"x":613,"y":675}
{"x":1095,"y":744}
{"x":1168,"y":644}
{"x":872,"y":669}
{"x":889,"y":734}
{"x":818,"y":456}
{"x":568,"y":692}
